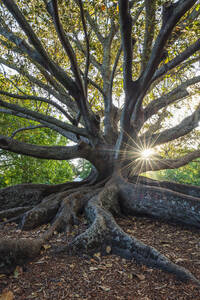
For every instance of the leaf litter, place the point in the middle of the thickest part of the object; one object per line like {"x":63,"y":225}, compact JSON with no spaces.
{"x":57,"y":277}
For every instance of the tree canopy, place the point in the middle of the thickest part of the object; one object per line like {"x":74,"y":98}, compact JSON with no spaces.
{"x":70,"y":67}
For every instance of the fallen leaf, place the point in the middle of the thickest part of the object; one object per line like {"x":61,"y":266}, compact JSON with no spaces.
{"x":46,"y":247}
{"x":130,"y":276}
{"x":93,"y":268}
{"x":140,"y":276}
{"x":179,"y":260}
{"x":97,"y":256}
{"x":108,"y":249}
{"x":109,"y":265}
{"x":105,"y":288}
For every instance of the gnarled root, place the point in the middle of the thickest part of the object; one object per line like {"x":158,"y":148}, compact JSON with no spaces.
{"x":186,"y":189}
{"x":70,"y":207}
{"x":66,"y":206}
{"x":104,"y":232}
{"x":13,"y":212}
{"x":160,"y":203}
{"x":16,"y":252}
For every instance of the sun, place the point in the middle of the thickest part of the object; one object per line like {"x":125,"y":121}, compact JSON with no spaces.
{"x":147,"y":153}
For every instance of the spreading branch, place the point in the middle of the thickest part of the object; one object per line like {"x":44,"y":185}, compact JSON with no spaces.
{"x":177,"y":60}
{"x":52,"y":8}
{"x":183,"y":128}
{"x":126,"y":38}
{"x":95,"y":27}
{"x":87,"y":64}
{"x":41,"y":99}
{"x":150,"y":8}
{"x":69,"y":135}
{"x":178,"y":93}
{"x":179,"y":10}
{"x":54,"y":69}
{"x":26,"y":128}
{"x":45,"y":118}
{"x":45,"y":152}
{"x":162,"y":164}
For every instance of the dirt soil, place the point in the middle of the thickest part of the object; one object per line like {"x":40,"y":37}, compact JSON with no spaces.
{"x":59,"y":277}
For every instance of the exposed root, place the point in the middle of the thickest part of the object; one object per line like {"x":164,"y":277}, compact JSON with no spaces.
{"x":104,"y":232}
{"x":32,"y":194}
{"x":17,"y":252}
{"x":186,"y":189}
{"x":160,"y":203}
{"x":99,"y":206}
{"x":13,"y":212}
{"x":21,"y":195}
{"x":67,"y":214}
{"x":42,"y":213}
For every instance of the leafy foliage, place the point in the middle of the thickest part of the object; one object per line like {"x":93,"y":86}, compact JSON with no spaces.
{"x":189,"y":174}
{"x":22,"y":169}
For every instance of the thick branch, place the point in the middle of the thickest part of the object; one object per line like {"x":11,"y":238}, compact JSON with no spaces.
{"x":176,"y":94}
{"x":177,"y":60}
{"x":54,"y":69}
{"x":46,"y":152}
{"x":179,"y":10}
{"x":126,"y":37}
{"x":69,"y":135}
{"x":35,"y":98}
{"x":150,"y":7}
{"x":39,"y":117}
{"x":156,"y":164}
{"x":183,"y":128}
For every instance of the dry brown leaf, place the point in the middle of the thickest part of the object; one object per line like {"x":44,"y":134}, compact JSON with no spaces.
{"x":98,"y":256}
{"x":109,"y":265}
{"x":93,"y":268}
{"x":108,"y":249}
{"x":105,"y":288}
{"x":179,"y":260}
{"x":140,"y":276}
{"x":7,"y":295}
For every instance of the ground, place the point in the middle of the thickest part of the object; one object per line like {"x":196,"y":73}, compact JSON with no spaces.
{"x":57,"y":277}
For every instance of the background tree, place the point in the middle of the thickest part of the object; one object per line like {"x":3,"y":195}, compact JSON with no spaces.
{"x":109,"y":76}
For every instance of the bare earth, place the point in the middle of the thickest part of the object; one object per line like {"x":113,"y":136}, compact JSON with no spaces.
{"x":60,"y":277}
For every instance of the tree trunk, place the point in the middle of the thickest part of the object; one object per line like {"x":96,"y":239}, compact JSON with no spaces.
{"x":100,"y":202}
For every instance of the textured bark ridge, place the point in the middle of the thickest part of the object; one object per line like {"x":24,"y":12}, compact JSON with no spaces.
{"x":100,"y":203}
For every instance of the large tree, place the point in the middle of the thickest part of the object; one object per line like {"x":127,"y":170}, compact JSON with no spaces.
{"x":108,"y":76}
